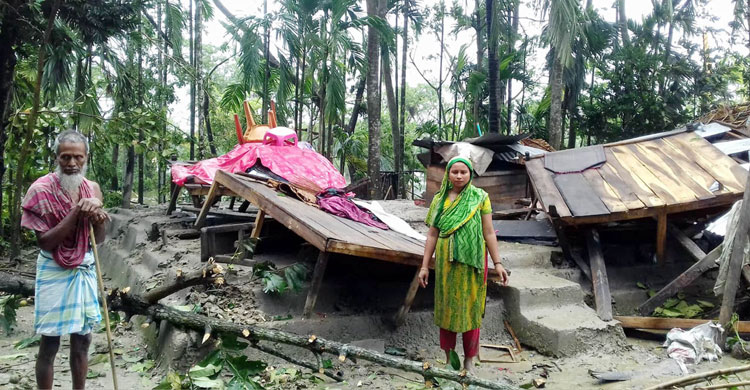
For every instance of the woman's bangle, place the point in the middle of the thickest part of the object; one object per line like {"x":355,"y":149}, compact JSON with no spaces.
{"x":424,"y":268}
{"x":499,"y":262}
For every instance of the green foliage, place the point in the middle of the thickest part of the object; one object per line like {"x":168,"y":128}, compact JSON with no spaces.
{"x":280,"y":280}
{"x":679,"y":308}
{"x":455,"y":361}
{"x":229,"y":358}
{"x":28,"y":342}
{"x":8,"y":306}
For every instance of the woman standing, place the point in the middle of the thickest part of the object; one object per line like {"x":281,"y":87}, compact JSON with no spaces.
{"x":461,"y":232}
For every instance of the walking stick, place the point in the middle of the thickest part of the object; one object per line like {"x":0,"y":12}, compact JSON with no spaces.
{"x":104,"y":303}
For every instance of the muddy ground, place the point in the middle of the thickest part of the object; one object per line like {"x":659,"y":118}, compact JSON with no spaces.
{"x":242,"y":300}
{"x":644,"y":360}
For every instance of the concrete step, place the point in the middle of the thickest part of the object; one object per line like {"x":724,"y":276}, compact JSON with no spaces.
{"x":536,"y":287}
{"x":517,"y":255}
{"x":547,"y":313}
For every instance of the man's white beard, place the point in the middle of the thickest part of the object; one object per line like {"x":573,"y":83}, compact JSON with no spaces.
{"x":71,"y":183}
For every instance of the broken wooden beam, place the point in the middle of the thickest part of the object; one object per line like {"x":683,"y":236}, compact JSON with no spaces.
{"x":602,"y":296}
{"x":685,"y":279}
{"x":663,"y":323}
{"x":686,"y":242}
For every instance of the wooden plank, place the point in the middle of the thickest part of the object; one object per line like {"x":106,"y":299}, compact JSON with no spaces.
{"x":719,"y":158}
{"x":688,"y":168}
{"x":578,"y":195}
{"x":607,"y":195}
{"x":602,"y":296}
{"x":685,"y":279}
{"x":661,"y":323}
{"x":315,"y":236}
{"x":689,"y":245}
{"x":317,"y":281}
{"x":664,"y":167}
{"x":661,"y":236}
{"x":694,"y":148}
{"x":631,"y":163}
{"x":545,"y":188}
{"x":410,"y":294}
{"x":736,"y":259}
{"x":212,"y":193}
{"x":717,"y":201}
{"x":623,"y":192}
{"x":634,"y":183}
{"x":733,"y":147}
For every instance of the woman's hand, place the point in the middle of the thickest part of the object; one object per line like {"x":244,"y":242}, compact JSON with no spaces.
{"x":502,"y":273}
{"x":424,"y":274}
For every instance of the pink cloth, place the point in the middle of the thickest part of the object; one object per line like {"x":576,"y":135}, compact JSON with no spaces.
{"x":342,"y":207}
{"x":45,"y":205}
{"x":301,"y":167}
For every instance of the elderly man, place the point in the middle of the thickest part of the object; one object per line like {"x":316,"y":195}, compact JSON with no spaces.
{"x":59,"y":207}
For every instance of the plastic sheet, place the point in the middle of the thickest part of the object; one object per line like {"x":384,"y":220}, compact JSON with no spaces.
{"x":301,"y":167}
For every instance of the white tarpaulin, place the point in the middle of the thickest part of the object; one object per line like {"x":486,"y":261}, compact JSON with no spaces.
{"x":480,"y":157}
{"x":395,"y":223}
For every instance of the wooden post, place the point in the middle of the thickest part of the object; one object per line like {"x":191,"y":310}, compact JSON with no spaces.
{"x":258,"y":224}
{"x":410,"y":294}
{"x":317,"y":280}
{"x":685,"y":278}
{"x":661,"y":236}
{"x":599,"y":279}
{"x":173,"y":199}
{"x":568,"y":252}
{"x":206,"y":205}
{"x":735,"y":262}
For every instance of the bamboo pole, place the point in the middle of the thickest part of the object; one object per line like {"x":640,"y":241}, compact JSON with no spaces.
{"x":103,"y":298}
{"x":699,"y":377}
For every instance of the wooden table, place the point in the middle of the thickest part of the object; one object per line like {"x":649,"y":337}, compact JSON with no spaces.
{"x":327,"y":232}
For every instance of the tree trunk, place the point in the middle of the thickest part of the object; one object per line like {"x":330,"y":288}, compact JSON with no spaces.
{"x":140,"y":128}
{"x":127,"y":187}
{"x":373,"y":100}
{"x":514,"y":34}
{"x":26,"y":146}
{"x":302,"y":93}
{"x":393,"y":113}
{"x":254,"y":334}
{"x":267,"y":70}
{"x":402,"y":102}
{"x":192,"y":83}
{"x":114,"y":186}
{"x":8,"y":36}
{"x":480,"y":57}
{"x":209,"y":132}
{"x":554,"y":126}
{"x":493,"y":67}
{"x":440,"y":71}
{"x":571,"y":129}
{"x":622,"y":21}
{"x":198,"y":50}
{"x":667,"y":54}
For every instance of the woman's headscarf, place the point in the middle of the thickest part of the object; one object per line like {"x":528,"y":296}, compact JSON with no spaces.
{"x":460,"y":222}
